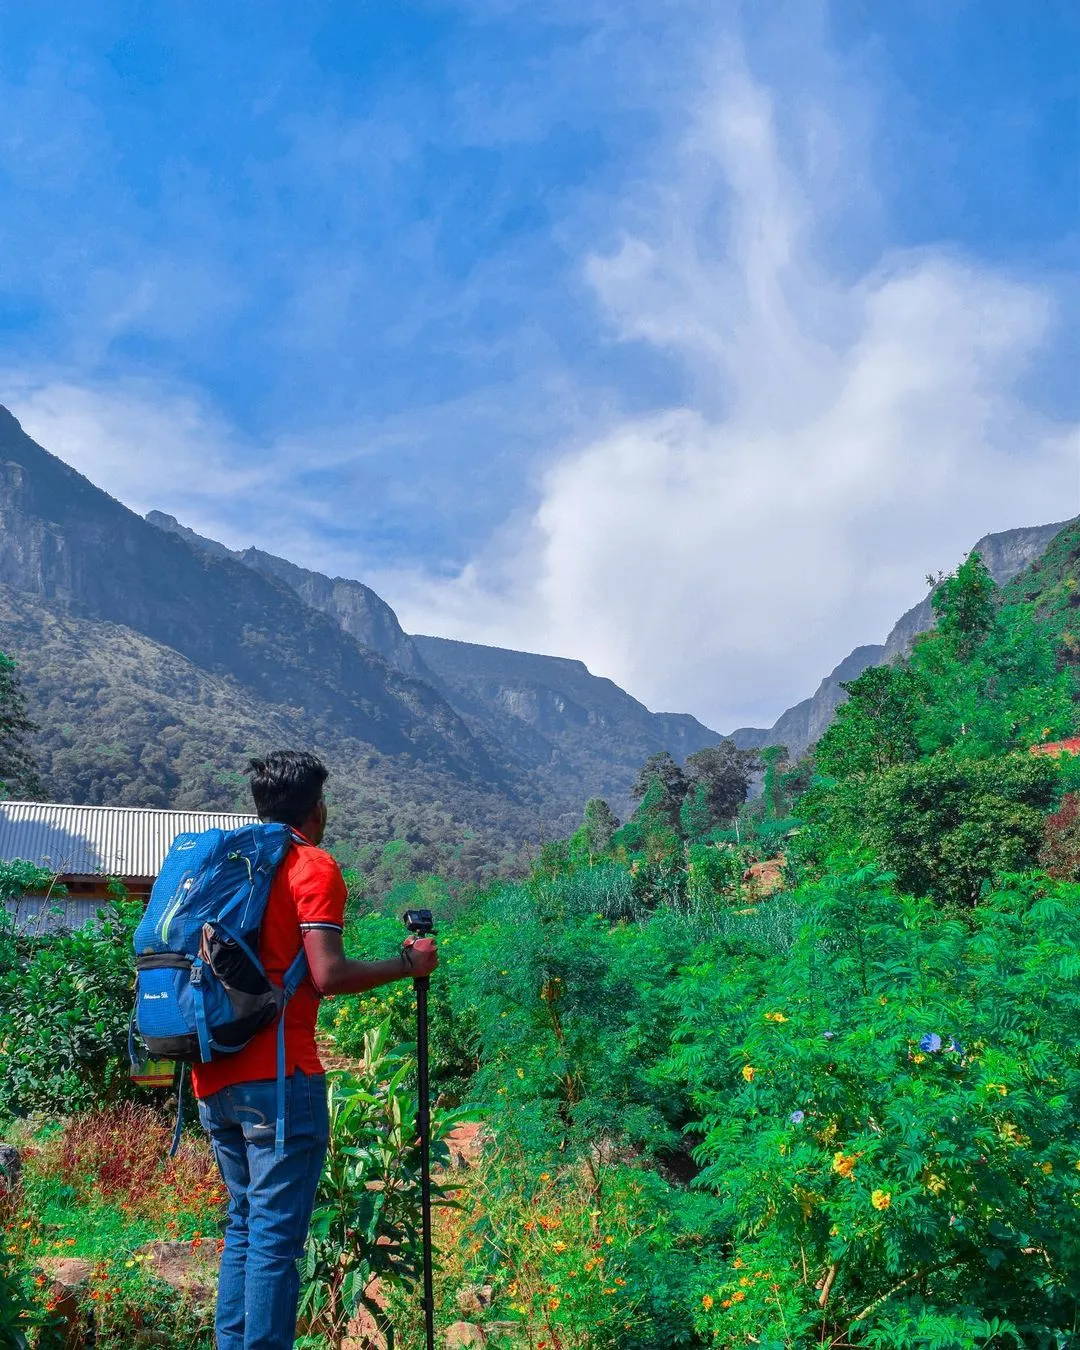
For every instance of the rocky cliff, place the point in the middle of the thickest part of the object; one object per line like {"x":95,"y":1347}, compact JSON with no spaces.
{"x":67,"y":542}
{"x":558,"y":717}
{"x":353,"y":606}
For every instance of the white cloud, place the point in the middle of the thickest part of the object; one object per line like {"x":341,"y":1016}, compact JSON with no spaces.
{"x":843,"y":438}
{"x":141,"y":442}
{"x":840,"y":435}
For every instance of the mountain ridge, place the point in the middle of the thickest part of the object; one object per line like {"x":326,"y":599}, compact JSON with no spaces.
{"x":1006,"y":554}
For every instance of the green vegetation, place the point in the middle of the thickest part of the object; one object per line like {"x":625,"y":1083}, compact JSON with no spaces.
{"x":18,"y":772}
{"x":792,"y":1071}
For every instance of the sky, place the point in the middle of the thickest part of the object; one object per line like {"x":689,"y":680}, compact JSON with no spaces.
{"x":682,"y":338}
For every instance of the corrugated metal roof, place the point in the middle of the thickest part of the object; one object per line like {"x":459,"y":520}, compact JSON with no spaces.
{"x":122,"y":841}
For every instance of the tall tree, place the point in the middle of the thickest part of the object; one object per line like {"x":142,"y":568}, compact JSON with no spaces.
{"x":875,"y":728}
{"x":662,"y":766}
{"x":599,"y":824}
{"x":723,"y":771}
{"x":965,"y":603}
{"x":18,"y":772}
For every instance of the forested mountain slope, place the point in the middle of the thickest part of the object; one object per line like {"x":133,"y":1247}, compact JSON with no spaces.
{"x":579,"y":734}
{"x":156,"y":662}
{"x":563,"y":721}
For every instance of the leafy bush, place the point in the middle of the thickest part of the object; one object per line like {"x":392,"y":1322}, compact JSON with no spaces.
{"x":365,"y":1224}
{"x":890,"y":1116}
{"x":65,"y":1004}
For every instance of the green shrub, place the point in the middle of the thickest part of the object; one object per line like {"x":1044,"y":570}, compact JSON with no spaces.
{"x":365,"y":1224}
{"x":65,"y":1005}
{"x":890,"y":1116}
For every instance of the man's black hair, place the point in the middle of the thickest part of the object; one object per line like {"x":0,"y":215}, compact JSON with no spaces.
{"x":287,"y":785}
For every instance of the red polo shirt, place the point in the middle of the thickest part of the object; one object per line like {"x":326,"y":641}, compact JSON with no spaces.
{"x":307,"y":892}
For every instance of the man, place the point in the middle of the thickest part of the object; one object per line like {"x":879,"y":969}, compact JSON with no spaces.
{"x":271,"y":1198}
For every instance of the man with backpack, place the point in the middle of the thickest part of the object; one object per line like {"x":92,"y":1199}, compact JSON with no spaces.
{"x":272,"y":1188}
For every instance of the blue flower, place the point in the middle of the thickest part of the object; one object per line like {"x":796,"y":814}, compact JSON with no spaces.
{"x":828,"y":1035}
{"x":797,"y":1117}
{"x":931,"y":1042}
{"x":954,"y":1046}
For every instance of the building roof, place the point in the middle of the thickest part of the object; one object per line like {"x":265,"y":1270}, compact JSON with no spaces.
{"x":123,"y":841}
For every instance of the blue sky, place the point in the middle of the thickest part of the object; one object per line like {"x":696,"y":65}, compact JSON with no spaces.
{"x":683,"y":338}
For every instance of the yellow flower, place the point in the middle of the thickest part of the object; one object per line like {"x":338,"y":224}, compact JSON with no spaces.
{"x":934,"y":1183}
{"x":775,"y":1017}
{"x":544,"y":1176}
{"x":553,"y":1303}
{"x":881,"y":1199}
{"x":999,"y":1088}
{"x":748,"y":1072}
{"x":521,"y":1073}
{"x":609,"y":1239}
{"x":918,"y":1059}
{"x":707,"y":1301}
{"x":609,"y":1291}
{"x":844,"y":1163}
{"x":744,"y":1281}
{"x":559,"y":1247}
{"x":1047,"y":1167}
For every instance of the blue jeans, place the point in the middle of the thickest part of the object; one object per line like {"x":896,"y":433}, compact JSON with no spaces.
{"x":270,"y":1204}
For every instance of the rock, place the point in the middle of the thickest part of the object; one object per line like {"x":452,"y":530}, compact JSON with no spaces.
{"x":474,"y":1299}
{"x":466,"y":1143}
{"x":461,"y":1335}
{"x":189,"y":1268}
{"x":363,"y":1332}
{"x":10,"y":1168}
{"x":70,"y":1276}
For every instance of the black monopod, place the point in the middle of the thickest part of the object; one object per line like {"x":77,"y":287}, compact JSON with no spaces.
{"x":420,"y":923}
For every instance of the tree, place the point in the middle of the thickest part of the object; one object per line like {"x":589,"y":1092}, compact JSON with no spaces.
{"x":774,"y":797}
{"x":599,"y":824}
{"x":672,"y":780}
{"x":965,"y":604}
{"x":695,"y":817}
{"x":874,"y":730}
{"x":18,"y":772}
{"x":723,"y":771}
{"x":945,"y":826}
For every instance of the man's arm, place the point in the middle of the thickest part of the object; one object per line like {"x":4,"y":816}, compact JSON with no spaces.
{"x":332,"y":972}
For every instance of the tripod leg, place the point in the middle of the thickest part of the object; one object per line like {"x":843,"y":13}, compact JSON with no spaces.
{"x":424,"y":1122}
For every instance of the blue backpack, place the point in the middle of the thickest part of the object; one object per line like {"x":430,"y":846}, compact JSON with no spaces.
{"x":201,"y":991}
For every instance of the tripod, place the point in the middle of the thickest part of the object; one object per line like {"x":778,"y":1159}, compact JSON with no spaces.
{"x":420,"y":923}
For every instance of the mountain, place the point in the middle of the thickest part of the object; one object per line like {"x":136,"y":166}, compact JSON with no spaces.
{"x":157,"y":662}
{"x":577,"y":734}
{"x":352,"y":605}
{"x":564,"y":722}
{"x":1006,"y":555}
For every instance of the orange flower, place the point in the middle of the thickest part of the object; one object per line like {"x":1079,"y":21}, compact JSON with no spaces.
{"x":844,"y":1163}
{"x":739,"y":1263}
{"x":725,"y":1303}
{"x":738,"y":1296}
{"x":707,"y":1301}
{"x":881,"y":1199}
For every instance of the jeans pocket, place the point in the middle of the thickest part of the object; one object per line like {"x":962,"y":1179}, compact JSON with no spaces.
{"x":253,"y":1106}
